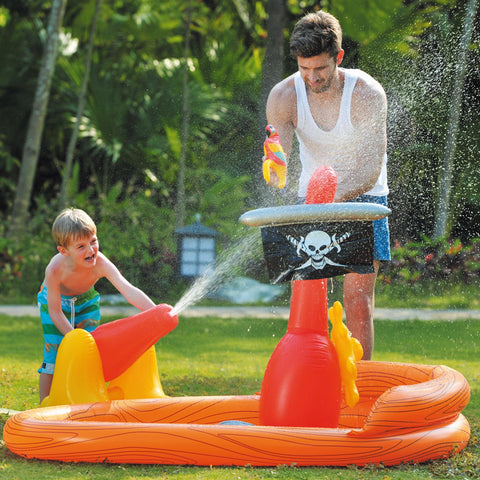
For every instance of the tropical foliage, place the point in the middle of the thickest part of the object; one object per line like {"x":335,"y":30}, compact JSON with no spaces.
{"x":132,"y":133}
{"x":436,"y":260}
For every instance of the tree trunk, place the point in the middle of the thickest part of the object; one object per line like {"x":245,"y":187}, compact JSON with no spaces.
{"x":443,"y":213}
{"x":272,"y":69}
{"x":64,"y":194}
{"x":272,"y":73}
{"x":36,"y":122}
{"x":180,"y":206}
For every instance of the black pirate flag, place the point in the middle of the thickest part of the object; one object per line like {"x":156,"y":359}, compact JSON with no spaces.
{"x":317,"y":250}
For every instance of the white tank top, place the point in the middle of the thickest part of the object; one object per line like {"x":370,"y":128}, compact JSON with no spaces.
{"x":336,"y":147}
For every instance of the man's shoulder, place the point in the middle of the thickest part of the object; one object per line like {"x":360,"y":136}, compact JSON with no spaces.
{"x":365,"y":82}
{"x":285,"y":85}
{"x":284,"y":91}
{"x":367,"y":91}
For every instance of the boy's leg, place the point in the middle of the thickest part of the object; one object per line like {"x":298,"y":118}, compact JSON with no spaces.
{"x":44,"y":385}
{"x":52,"y":338}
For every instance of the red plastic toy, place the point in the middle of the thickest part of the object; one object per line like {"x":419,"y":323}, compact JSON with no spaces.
{"x":302,"y":383}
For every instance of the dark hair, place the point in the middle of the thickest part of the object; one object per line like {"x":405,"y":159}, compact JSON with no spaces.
{"x":314,"y":34}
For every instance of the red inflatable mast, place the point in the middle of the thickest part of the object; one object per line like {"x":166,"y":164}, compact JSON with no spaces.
{"x":302,"y":384}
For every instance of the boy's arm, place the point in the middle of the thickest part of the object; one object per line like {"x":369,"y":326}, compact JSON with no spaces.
{"x":54,"y":301}
{"x":132,"y":294}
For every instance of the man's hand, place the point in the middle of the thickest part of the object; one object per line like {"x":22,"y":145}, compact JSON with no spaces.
{"x":274,"y":160}
{"x":274,"y":174}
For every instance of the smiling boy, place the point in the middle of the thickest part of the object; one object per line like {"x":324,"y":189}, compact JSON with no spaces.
{"x":67,"y":298}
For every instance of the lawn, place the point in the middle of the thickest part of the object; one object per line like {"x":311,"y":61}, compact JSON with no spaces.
{"x":209,"y":356}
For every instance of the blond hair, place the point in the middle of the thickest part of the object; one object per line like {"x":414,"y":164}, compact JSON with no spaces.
{"x":72,"y":224}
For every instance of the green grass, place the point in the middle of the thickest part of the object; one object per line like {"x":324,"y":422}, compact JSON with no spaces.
{"x":209,"y":356}
{"x":426,"y":295}
{"x":434,"y":295}
{"x":430,"y":295}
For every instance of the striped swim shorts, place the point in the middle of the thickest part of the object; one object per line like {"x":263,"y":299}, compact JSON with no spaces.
{"x":83,"y":311}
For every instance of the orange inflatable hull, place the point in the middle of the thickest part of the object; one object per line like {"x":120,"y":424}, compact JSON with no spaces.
{"x":406,"y":413}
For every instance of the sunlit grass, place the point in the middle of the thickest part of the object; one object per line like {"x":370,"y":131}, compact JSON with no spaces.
{"x":435,"y":295}
{"x":430,"y":295}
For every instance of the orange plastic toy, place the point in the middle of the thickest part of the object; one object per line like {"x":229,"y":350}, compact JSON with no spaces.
{"x":135,"y":334}
{"x":349,"y":351}
{"x":302,"y":383}
{"x":406,"y":413}
{"x":322,"y":186}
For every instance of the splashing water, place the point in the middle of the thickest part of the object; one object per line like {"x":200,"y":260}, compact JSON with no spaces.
{"x":239,"y":255}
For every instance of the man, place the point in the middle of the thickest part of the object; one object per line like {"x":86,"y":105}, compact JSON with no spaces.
{"x":339,"y":118}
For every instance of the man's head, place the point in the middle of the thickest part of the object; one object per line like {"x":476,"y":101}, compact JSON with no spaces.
{"x":72,"y":224}
{"x":314,"y":34}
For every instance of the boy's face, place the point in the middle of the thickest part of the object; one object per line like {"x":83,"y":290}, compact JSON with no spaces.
{"x":82,"y":251}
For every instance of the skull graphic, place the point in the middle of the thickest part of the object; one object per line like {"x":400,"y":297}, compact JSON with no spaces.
{"x":317,"y":245}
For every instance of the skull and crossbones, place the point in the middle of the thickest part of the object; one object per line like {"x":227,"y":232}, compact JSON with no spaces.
{"x":317,"y":245}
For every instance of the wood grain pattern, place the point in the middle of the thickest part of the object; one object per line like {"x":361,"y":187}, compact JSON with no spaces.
{"x":406,"y":413}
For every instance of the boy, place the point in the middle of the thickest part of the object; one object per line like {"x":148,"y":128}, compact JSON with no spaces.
{"x":67,"y":299}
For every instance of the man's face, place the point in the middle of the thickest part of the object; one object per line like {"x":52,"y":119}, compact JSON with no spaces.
{"x":318,"y":71}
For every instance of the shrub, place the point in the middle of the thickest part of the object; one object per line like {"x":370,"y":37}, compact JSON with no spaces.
{"x":136,"y":231}
{"x":433,"y":260}
{"x":138,"y":236}
{"x":23,"y":261}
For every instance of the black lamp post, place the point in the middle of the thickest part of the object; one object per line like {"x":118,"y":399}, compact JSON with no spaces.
{"x":196,"y":248}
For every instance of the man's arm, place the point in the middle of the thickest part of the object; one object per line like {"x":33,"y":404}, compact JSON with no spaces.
{"x":369,"y":118}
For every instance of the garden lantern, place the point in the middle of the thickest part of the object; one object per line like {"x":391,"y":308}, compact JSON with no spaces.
{"x":196,"y":248}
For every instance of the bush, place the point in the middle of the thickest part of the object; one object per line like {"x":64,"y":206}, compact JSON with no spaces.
{"x":138,"y":236}
{"x":133,"y":232}
{"x":136,"y":230}
{"x":436,"y":260}
{"x":9,"y":263}
{"x":23,"y":262}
